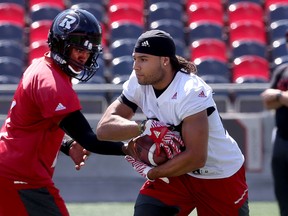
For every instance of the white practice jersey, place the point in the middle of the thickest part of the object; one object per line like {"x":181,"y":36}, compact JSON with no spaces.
{"x":186,"y":95}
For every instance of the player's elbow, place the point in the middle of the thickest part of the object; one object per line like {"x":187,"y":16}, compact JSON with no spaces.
{"x":101,"y":133}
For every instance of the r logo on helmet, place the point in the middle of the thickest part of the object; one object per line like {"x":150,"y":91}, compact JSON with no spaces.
{"x":68,"y":23}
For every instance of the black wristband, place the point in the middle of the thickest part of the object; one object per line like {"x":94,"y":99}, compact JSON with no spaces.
{"x":66,"y":145}
{"x":141,"y":126}
{"x":278,"y":96}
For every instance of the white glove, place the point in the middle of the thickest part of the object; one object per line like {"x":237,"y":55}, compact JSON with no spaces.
{"x":163,"y":137}
{"x":142,"y":168}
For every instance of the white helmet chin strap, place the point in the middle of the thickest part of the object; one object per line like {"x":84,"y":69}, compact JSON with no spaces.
{"x":74,"y":71}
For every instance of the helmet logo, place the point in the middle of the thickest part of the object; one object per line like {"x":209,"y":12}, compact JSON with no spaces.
{"x":67,"y":22}
{"x":88,"y":45}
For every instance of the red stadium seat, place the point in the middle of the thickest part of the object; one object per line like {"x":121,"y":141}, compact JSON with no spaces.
{"x":205,"y":12}
{"x":39,"y":30}
{"x":250,"y":66}
{"x":136,"y":3}
{"x":210,"y":48}
{"x":207,"y":1}
{"x":245,"y":11}
{"x":125,"y":12}
{"x":247,"y":30}
{"x":12,"y":13}
{"x":37,"y":50}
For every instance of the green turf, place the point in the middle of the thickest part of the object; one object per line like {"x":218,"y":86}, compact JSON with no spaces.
{"x":126,"y":209}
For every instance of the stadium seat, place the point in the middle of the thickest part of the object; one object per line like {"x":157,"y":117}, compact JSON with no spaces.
{"x":279,"y":49}
{"x":102,"y":2}
{"x":12,"y":13}
{"x":276,"y":12}
{"x":188,"y":2}
{"x":240,"y":48}
{"x":279,"y":61}
{"x":121,"y":30}
{"x":201,"y":30}
{"x":120,"y":79}
{"x":11,"y":66}
{"x":122,"y":65}
{"x":268,"y":3}
{"x":44,"y":11}
{"x":228,"y":2}
{"x":57,"y":3}
{"x":213,"y":67}
{"x":245,"y":10}
{"x":209,"y":48}
{"x":173,"y":27}
{"x":22,"y":3}
{"x":11,"y":31}
{"x":134,"y":3}
{"x":10,"y":48}
{"x":250,"y":66}
{"x":95,"y":8}
{"x":180,"y":2}
{"x":247,"y":30}
{"x":37,"y":50}
{"x":39,"y":30}
{"x":6,"y":79}
{"x":277,"y":30}
{"x":125,"y":12}
{"x":122,"y":47}
{"x":205,"y":11}
{"x":164,"y":10}
{"x":181,"y":48}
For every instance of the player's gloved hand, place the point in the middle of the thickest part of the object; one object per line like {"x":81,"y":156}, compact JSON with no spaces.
{"x":163,"y":137}
{"x":142,"y":168}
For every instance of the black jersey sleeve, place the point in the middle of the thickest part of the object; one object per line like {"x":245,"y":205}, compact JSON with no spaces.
{"x":77,"y":127}
{"x":125,"y":101}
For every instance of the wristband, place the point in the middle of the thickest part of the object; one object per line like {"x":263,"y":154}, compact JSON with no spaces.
{"x":278,"y":96}
{"x":141,"y":126}
{"x":66,"y":145}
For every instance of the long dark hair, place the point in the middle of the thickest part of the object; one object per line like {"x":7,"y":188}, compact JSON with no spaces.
{"x":179,"y":63}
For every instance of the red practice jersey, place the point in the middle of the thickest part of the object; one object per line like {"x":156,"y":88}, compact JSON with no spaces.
{"x":30,"y":138}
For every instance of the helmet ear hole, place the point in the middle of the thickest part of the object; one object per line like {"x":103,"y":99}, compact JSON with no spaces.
{"x":75,"y":27}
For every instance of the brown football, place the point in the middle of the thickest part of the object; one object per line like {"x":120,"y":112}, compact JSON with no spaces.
{"x":146,"y":151}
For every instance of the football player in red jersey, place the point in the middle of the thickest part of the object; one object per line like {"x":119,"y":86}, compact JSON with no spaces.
{"x":44,"y":108}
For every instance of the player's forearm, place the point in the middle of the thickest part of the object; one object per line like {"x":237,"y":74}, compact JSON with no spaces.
{"x":180,"y":165}
{"x":118,"y":129}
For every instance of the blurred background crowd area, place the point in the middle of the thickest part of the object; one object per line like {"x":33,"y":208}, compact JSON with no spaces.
{"x":230,"y":41}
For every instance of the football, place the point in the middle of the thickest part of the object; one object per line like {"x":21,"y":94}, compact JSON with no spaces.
{"x":146,"y":151}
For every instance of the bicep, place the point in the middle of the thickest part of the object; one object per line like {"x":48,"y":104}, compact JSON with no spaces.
{"x":195,"y":132}
{"x":117,"y":109}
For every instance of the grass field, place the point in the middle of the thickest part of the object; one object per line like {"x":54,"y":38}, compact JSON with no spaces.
{"x":126,"y":209}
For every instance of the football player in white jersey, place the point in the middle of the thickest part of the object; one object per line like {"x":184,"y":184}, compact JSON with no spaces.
{"x":209,"y":174}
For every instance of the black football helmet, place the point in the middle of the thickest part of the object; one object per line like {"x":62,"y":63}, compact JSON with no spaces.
{"x":80,"y":29}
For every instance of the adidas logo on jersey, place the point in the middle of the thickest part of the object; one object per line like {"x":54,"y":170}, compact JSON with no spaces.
{"x":60,"y":107}
{"x":174,"y":96}
{"x":145,"y":44}
{"x":202,"y":94}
